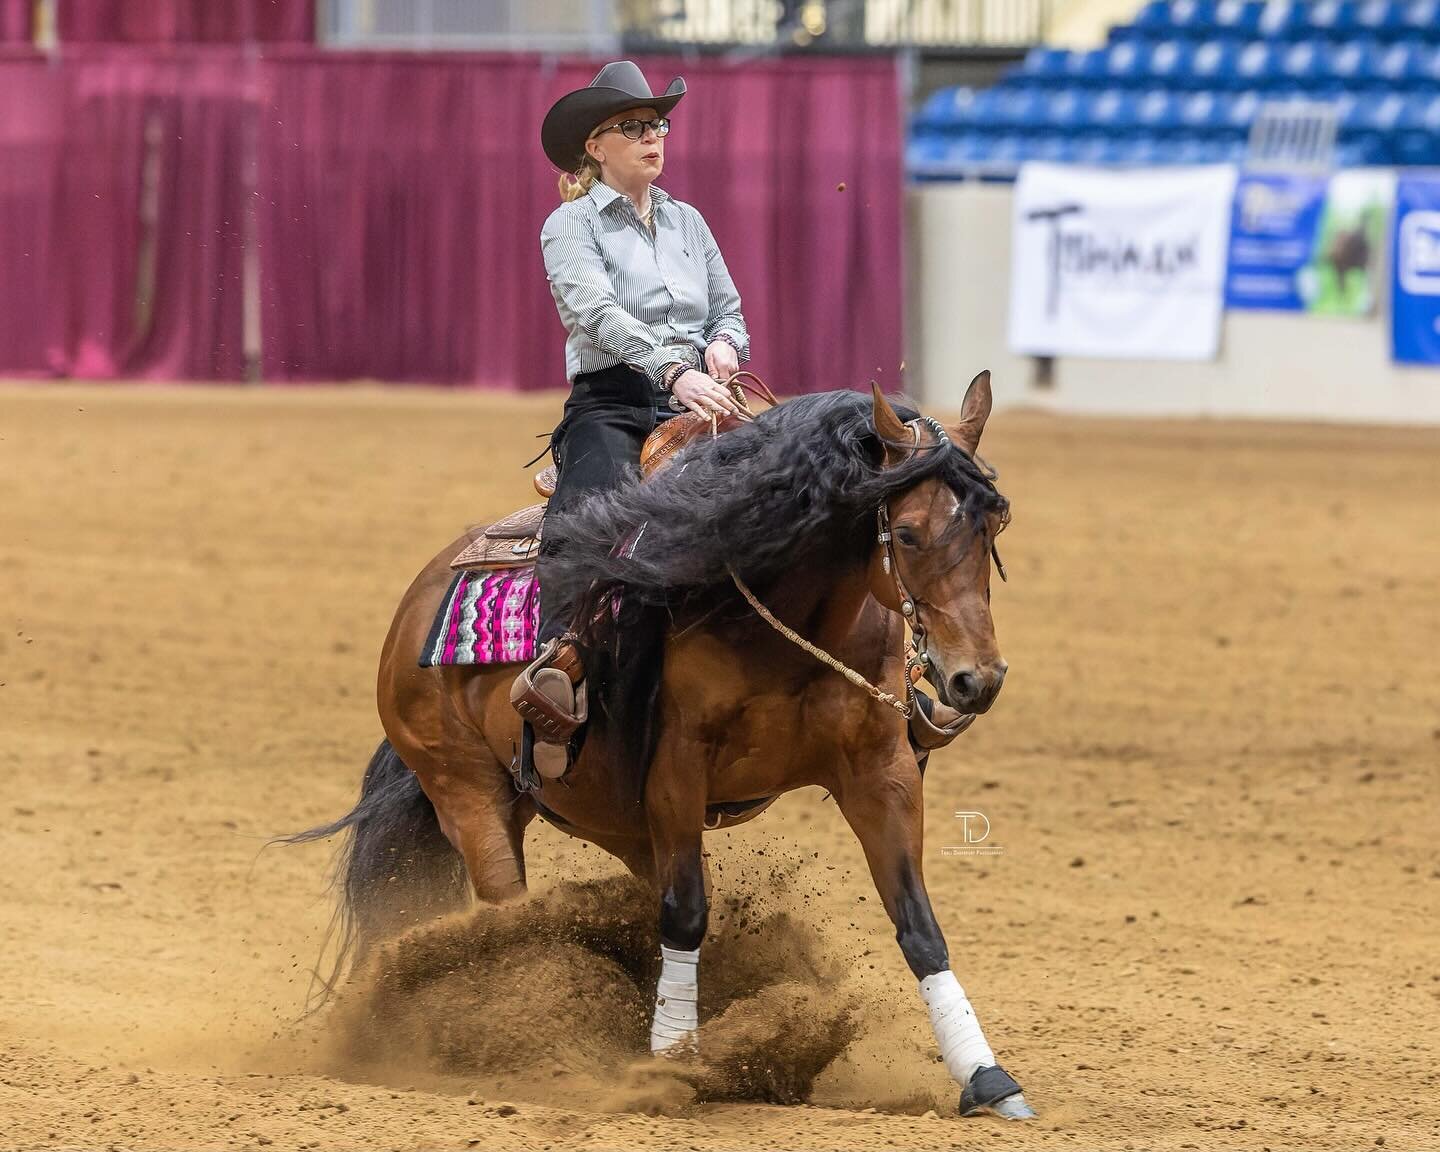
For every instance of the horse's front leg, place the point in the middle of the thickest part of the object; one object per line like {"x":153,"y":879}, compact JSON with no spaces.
{"x":675,"y":809}
{"x":884,"y":809}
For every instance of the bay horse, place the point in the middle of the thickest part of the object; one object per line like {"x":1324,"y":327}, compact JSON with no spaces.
{"x":848,"y":519}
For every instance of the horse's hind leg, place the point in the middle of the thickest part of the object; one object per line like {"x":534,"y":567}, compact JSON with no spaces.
{"x":675,"y":808}
{"x":483,"y":816}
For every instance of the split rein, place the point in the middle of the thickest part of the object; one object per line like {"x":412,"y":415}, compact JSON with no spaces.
{"x":919,"y":657}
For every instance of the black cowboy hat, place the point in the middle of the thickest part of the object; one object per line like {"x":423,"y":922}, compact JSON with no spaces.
{"x":573,"y":117}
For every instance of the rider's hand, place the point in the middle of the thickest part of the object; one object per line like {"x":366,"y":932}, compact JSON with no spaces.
{"x":721,"y":360}
{"x":701,"y":394}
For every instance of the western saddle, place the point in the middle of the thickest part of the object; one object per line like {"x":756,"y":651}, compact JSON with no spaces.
{"x":514,"y":542}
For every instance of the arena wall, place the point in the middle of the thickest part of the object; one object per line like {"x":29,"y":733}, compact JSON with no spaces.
{"x":1271,"y":365}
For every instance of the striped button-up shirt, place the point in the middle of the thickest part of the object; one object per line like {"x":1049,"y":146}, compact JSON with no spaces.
{"x":629,"y":297}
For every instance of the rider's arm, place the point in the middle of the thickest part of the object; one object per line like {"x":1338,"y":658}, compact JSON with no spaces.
{"x":724,"y":318}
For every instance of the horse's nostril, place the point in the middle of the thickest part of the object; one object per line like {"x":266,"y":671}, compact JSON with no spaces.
{"x":964,"y":686}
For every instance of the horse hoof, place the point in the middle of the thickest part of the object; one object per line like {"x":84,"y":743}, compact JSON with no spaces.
{"x":992,"y":1091}
{"x":686,"y":1047}
{"x":1011,"y":1108}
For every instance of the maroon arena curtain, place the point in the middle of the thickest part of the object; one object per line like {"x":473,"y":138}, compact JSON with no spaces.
{"x":122,"y":195}
{"x":15,"y":25}
{"x":185,"y":21}
{"x":403,"y":199}
{"x":32,"y":131}
{"x":392,"y":204}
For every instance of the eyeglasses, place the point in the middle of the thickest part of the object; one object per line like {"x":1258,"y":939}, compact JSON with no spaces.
{"x":635,"y":129}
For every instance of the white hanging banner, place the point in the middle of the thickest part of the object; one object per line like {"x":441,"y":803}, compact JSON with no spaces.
{"x":1120,"y":263}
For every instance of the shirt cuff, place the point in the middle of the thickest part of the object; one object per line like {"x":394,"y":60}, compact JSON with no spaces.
{"x":735,"y":342}
{"x":666,"y":359}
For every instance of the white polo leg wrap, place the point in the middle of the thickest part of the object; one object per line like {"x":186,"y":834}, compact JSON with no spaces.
{"x":677,"y":1013}
{"x":957,"y":1030}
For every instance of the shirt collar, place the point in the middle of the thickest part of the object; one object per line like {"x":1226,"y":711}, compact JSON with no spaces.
{"x":605,"y":196}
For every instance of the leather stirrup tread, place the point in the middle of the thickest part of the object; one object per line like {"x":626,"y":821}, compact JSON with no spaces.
{"x":550,"y":694}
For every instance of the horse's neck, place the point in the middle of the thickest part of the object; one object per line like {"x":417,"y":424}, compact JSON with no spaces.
{"x":829,"y":603}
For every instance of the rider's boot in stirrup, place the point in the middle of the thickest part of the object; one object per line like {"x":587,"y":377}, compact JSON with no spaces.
{"x":551,"y":698}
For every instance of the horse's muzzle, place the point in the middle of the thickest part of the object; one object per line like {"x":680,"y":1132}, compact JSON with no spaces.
{"x":975,"y":689}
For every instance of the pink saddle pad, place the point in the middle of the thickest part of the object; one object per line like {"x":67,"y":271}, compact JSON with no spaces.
{"x":487,"y":617}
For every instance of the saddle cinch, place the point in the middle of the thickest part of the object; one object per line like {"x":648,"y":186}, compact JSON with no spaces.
{"x":514,"y":542}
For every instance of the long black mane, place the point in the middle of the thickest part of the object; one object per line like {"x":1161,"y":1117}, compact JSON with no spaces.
{"x":763,"y":499}
{"x":759,"y":499}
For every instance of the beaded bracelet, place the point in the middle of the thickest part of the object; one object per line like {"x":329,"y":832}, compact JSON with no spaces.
{"x":673,"y":373}
{"x":725,"y":336}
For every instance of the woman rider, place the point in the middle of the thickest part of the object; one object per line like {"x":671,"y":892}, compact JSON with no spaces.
{"x":653,"y":328}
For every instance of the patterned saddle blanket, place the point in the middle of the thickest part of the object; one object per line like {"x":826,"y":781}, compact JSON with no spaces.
{"x":488,"y":616}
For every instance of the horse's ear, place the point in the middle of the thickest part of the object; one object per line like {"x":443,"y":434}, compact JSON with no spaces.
{"x":973,"y":413}
{"x":888,"y":425}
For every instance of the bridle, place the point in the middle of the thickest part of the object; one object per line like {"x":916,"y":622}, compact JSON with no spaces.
{"x":919,"y":657}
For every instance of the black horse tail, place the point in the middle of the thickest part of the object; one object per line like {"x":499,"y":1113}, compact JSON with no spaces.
{"x":394,"y":868}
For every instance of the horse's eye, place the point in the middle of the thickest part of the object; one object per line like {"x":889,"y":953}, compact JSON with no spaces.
{"x":905,"y":536}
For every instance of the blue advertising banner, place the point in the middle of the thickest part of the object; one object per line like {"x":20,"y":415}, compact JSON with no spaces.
{"x":1272,"y":237}
{"x":1415,"y":313}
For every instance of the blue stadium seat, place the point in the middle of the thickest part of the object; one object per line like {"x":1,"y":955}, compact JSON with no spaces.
{"x":1368,"y":127}
{"x":1238,"y":114}
{"x":1093,"y":148}
{"x":1127,"y":62}
{"x":1086,"y":67}
{"x":1300,"y":66}
{"x":1066,"y":109}
{"x":1052,"y":147}
{"x":1157,"y":110}
{"x":1238,"y":19}
{"x":1420,"y":19}
{"x":1014,"y":109}
{"x":1153,"y":19}
{"x":1417,"y":139}
{"x":1401,"y":65}
{"x":1112,"y":111}
{"x":1254,"y":66}
{"x":1000,"y":155}
{"x":1347,"y":66}
{"x":1331,"y":19}
{"x":1213,"y":65}
{"x":1379,"y":18}
{"x":950,"y":157}
{"x":951,"y":109}
{"x":1428,"y":65}
{"x":1282,"y":19}
{"x":1202,"y":115}
{"x":1044,"y":64}
{"x":1169,"y":62}
{"x":1157,"y":149}
{"x":924,"y":158}
{"x":1192,"y":17}
{"x":1183,"y":84}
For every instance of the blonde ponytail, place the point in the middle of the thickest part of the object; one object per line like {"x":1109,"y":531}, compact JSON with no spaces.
{"x":575,"y":184}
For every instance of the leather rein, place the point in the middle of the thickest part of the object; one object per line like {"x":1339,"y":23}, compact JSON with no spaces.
{"x":919,"y":656}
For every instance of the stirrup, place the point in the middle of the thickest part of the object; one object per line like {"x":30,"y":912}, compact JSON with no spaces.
{"x":550,"y":694}
{"x":925,"y":733}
